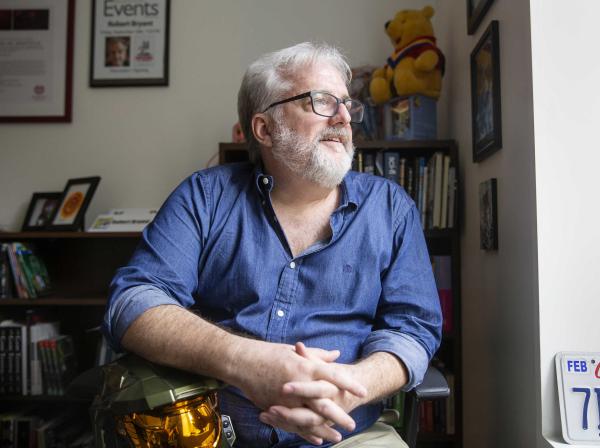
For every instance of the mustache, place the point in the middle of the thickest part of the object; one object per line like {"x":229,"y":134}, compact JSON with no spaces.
{"x":342,"y":134}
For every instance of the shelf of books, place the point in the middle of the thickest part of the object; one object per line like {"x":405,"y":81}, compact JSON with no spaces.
{"x":428,"y":171}
{"x":53,"y":288}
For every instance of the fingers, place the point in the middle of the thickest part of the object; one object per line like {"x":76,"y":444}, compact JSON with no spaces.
{"x":302,"y":421}
{"x":316,"y":354}
{"x":340,"y":378}
{"x":311,"y":389}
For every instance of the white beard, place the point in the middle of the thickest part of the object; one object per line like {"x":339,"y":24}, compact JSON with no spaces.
{"x":306,"y":159}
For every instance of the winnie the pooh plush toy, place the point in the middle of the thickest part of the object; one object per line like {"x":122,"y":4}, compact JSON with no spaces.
{"x":417,"y":65}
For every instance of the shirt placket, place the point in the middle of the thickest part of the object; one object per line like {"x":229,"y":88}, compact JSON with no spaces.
{"x":284,"y":301}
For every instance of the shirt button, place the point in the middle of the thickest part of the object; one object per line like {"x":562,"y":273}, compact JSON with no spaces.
{"x":265,"y":181}
{"x":292,"y":265}
{"x":280,"y":313}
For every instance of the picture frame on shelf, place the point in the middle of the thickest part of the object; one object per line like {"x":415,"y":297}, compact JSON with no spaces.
{"x":39,"y":34}
{"x":476,"y":11}
{"x":74,"y":201}
{"x":488,"y":215}
{"x":486,"y":110}
{"x":130,"y":44}
{"x":41,"y":209}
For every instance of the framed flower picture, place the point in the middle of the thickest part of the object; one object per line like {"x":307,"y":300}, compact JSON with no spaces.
{"x":73,"y":204}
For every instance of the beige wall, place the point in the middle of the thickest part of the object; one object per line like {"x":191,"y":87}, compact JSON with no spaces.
{"x":499,"y":289}
{"x":143,"y":141}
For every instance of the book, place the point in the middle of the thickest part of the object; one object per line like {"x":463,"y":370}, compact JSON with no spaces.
{"x":391,"y":162}
{"x":19,"y":279}
{"x":38,"y":332}
{"x":444,"y":212}
{"x":438,"y":158}
{"x":442,"y":272}
{"x":451,"y":195}
{"x":368,"y":163}
{"x":6,"y":280}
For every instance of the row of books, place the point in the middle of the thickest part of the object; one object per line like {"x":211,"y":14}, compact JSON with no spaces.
{"x":437,"y":416}
{"x":22,"y":273}
{"x":431,"y":182}
{"x":35,"y":359}
{"x":31,"y":428}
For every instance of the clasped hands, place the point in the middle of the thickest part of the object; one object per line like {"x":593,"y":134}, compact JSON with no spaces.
{"x":302,"y":390}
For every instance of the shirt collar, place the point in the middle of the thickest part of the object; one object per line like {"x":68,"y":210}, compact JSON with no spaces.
{"x":264,"y":184}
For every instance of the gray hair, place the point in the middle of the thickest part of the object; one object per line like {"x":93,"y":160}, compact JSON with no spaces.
{"x":270,"y":77}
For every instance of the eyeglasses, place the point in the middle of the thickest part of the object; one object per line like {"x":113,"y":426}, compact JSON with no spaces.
{"x":327,"y":105}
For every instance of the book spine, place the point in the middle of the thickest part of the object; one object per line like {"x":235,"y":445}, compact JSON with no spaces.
{"x":391,"y":161}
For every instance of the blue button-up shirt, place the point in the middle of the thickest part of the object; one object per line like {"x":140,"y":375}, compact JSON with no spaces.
{"x":216,"y":245}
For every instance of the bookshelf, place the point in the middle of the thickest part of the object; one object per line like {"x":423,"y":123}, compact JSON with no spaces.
{"x":81,"y":266}
{"x":440,"y":242}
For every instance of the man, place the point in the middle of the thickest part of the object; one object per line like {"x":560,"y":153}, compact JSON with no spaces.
{"x":117,"y":52}
{"x":312,"y":283}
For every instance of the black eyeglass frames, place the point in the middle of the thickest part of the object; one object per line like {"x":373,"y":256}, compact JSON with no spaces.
{"x":327,"y":105}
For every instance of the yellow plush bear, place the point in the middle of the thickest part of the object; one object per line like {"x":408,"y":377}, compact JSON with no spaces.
{"x":417,"y":64}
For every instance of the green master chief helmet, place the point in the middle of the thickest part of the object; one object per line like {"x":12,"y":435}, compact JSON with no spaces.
{"x":145,"y":405}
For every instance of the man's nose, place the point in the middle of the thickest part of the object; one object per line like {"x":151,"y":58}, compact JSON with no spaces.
{"x":342,"y":116}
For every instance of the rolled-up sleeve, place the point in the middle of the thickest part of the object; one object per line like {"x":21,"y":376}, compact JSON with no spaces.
{"x":164,"y":267}
{"x":409,"y":320}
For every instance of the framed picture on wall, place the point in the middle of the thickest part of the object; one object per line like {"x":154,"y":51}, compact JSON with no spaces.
{"x":488,"y":215}
{"x":73,"y":204}
{"x":486,"y":110}
{"x":41,"y":209}
{"x":476,"y":11}
{"x":130,"y":43}
{"x":36,"y":60}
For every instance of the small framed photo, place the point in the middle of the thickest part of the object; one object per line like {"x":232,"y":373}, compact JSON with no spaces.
{"x":485,"y":95}
{"x":488,"y":215}
{"x":130,"y":43}
{"x":73,"y":204}
{"x":476,"y":11}
{"x":40,"y":211}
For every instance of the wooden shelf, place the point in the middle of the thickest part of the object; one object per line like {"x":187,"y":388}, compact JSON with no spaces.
{"x":64,"y":235}
{"x":54,"y":301}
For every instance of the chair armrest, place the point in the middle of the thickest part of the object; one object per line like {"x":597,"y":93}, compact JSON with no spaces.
{"x":434,"y":385}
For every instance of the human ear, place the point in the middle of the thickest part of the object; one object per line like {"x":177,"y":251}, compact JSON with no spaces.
{"x":262,"y":130}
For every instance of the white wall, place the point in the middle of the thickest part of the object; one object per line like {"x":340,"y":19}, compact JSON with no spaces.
{"x":499,"y":289}
{"x":566,"y":107}
{"x":143,"y":141}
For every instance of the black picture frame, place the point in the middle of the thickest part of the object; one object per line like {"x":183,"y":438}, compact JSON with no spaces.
{"x":140,"y":34}
{"x":74,"y":201}
{"x":476,"y":11}
{"x":486,"y":110}
{"x":488,"y":215}
{"x":42,"y":208}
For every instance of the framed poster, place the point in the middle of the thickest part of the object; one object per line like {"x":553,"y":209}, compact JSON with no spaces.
{"x":486,"y":112}
{"x":476,"y":10}
{"x":130,"y":43}
{"x":36,"y":60}
{"x":74,"y":202}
